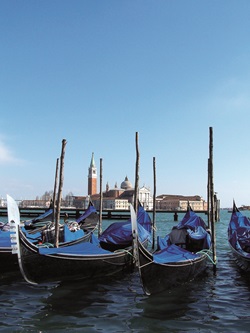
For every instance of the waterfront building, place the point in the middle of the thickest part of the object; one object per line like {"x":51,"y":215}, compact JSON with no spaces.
{"x":145,"y":198}
{"x":180,"y":202}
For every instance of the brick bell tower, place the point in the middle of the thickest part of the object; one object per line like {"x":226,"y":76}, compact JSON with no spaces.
{"x":92,"y":177}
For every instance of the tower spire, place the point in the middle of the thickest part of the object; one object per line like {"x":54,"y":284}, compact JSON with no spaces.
{"x":92,"y":177}
{"x":92,"y":162}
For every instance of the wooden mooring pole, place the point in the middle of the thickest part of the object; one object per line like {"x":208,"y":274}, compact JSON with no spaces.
{"x":211,"y":186}
{"x":208,"y":195}
{"x":59,"y":197}
{"x":101,"y":202}
{"x":136,"y":173}
{"x":154,"y":201}
{"x":54,"y":193}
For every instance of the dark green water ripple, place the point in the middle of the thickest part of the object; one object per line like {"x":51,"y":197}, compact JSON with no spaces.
{"x":213,"y":303}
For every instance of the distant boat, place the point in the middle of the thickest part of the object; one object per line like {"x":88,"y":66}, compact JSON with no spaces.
{"x":239,"y":238}
{"x":179,"y":258}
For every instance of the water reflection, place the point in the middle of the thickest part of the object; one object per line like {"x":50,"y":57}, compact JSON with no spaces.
{"x":169,"y":304}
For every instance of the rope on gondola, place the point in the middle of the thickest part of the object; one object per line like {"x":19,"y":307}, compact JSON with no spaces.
{"x":123,"y":250}
{"x":208,"y":256}
{"x":154,"y":227}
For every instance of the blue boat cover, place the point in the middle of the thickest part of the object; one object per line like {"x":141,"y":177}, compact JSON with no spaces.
{"x":5,"y":238}
{"x":173,"y":253}
{"x":41,"y":217}
{"x":95,"y":240}
{"x":200,"y":233}
{"x":84,"y":248}
{"x":163,"y":242}
{"x":121,"y":232}
{"x":32,"y":237}
{"x":72,"y":235}
{"x":143,"y":219}
{"x":91,"y":209}
{"x":193,"y":226}
{"x":239,"y":232}
{"x":191,"y":221}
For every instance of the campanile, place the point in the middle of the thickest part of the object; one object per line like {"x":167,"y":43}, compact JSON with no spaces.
{"x":92,"y":177}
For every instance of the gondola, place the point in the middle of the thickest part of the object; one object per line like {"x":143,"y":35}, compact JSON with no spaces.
{"x":84,"y":260}
{"x":239,"y":238}
{"x":179,"y":257}
{"x":41,"y":230}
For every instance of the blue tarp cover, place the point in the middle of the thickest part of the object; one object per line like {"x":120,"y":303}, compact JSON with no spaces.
{"x":191,"y":221}
{"x":163,"y":242}
{"x":173,"y":253}
{"x":200,"y":233}
{"x":239,"y":233}
{"x":195,"y":228}
{"x":84,"y":248}
{"x":238,"y":220}
{"x":143,"y":219}
{"x":91,"y":209}
{"x":42,"y":217}
{"x":5,"y":238}
{"x":32,"y":236}
{"x":121,"y":232}
{"x":72,"y":235}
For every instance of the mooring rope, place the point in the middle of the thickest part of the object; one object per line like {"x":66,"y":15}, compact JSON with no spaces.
{"x":206,"y":252}
{"x":124,"y":250}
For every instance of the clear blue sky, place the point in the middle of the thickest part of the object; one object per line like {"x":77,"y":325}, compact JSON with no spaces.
{"x":96,"y":72}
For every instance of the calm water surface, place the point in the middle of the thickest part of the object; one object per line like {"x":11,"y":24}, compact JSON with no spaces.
{"x":213,"y":303}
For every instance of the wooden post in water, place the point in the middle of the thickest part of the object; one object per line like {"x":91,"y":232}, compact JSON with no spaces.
{"x":212,"y":198}
{"x":101,"y":201}
{"x":54,"y":193}
{"x":154,"y":200}
{"x":217,"y":207}
{"x":136,"y":174}
{"x":208,"y":195}
{"x":59,"y":197}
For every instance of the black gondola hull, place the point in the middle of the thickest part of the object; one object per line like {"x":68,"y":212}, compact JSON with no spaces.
{"x":39,"y":268}
{"x":157,"y":277}
{"x":242,"y":262}
{"x":8,"y":261}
